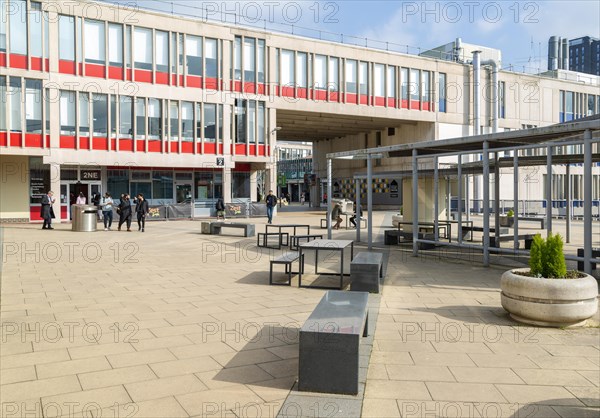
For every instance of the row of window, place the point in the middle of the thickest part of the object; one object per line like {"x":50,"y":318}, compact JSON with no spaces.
{"x":573,"y":105}
{"x":23,"y":32}
{"x":576,"y":186}
{"x":22,"y":97}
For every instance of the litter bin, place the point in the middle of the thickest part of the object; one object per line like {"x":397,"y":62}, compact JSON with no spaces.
{"x":84,"y":218}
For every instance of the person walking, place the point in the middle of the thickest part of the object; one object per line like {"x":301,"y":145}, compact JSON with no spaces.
{"x":107,"y":211}
{"x":141,"y":209}
{"x":124,"y":210}
{"x":220,"y":207}
{"x":271,"y":203}
{"x":47,"y":212}
{"x":80,"y":199}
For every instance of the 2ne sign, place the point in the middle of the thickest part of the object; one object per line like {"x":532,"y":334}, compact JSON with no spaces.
{"x":90,"y":175}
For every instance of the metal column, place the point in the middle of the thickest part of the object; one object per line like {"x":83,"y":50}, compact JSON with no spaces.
{"x":486,"y":204}
{"x":369,"y":201}
{"x":516,"y":198}
{"x":587,"y":201}
{"x":460,"y":184}
{"x":415,"y":202}
{"x":329,"y":190}
{"x":358,"y":216}
{"x":436,"y":203}
{"x":568,"y":199}
{"x":548,"y":190}
{"x":496,"y":199}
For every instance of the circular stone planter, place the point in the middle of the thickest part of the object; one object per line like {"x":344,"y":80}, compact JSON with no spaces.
{"x":549,"y":302}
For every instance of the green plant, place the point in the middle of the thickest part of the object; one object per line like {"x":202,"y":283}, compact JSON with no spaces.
{"x":401,"y":210}
{"x":546,"y":258}
{"x":510,"y":213}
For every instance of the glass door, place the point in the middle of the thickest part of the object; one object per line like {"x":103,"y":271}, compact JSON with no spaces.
{"x":183,"y":192}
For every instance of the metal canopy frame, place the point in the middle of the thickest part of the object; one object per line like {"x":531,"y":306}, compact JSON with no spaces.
{"x":583,"y":132}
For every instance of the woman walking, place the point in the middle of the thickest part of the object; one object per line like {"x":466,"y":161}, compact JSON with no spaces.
{"x":141,"y":209}
{"x":124,"y":210}
{"x":107,"y":211}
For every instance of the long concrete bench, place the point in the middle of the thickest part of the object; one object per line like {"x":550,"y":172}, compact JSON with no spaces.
{"x":366,"y":272}
{"x":542,"y":221}
{"x":330,"y":341}
{"x":216,"y":227}
{"x":528,"y":238}
{"x":392,"y":237}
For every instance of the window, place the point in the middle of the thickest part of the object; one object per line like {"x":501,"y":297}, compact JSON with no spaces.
{"x":100,"y":114}
{"x":46,"y":25}
{"x":174,"y":120}
{"x":391,"y":81}
{"x":301,"y":68}
{"x":117,"y":182}
{"x":33,"y":106}
{"x":334,"y":80}
{"x":193,"y":55}
{"x":140,"y":117}
{"x":67,"y":113}
{"x":126,"y":117}
{"x":198,"y":121}
{"x":287,"y":68}
{"x":415,"y":82}
{"x":442,"y":92}
{"x":502,"y":99}
{"x":210,"y":121}
{"x":35,"y":29}
{"x":18,"y":27}
{"x":181,"y":60}
{"x":210,"y":48}
{"x":84,"y":114}
{"x":187,"y":121}
{"x":252,"y":121}
{"x":142,"y":48}
{"x":162,"y":184}
{"x":220,"y":124}
{"x":591,"y":104}
{"x":94,"y":42}
{"x":240,"y":185}
{"x":425,"y":93}
{"x":561,"y":106}
{"x":261,"y":122}
{"x":379,"y":80}
{"x":66,"y":38}
{"x":155,"y":122}
{"x":320,"y":69}
{"x":128,"y":46}
{"x":237,"y":58}
{"x":173,"y":53}
{"x":351,"y":70}
{"x":3,"y":7}
{"x":364,"y":78}
{"x":569,"y":106}
{"x":249,"y":59}
{"x":162,"y":51}
{"x":260,"y":65}
{"x":78,"y":32}
{"x":115,"y":45}
{"x":2,"y":100}
{"x":404,"y":84}
{"x":240,"y":121}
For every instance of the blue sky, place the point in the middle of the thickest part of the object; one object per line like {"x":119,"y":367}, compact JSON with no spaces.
{"x":519,"y":28}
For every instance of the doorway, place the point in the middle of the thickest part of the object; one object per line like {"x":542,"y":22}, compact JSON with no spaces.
{"x":183,"y":192}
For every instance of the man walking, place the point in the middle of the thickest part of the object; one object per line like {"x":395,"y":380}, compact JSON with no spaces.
{"x":271,"y":203}
{"x":47,"y":212}
{"x":141,"y":209}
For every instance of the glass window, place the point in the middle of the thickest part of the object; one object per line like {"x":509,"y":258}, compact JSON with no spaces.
{"x":277,"y":66}
{"x":425,"y":87}
{"x":125,"y":116}
{"x":100,"y":114}
{"x":210,"y":121}
{"x":187,"y":121}
{"x":67,"y":113}
{"x":240,"y":185}
{"x":66,"y":38}
{"x":379,"y":81}
{"x":142,"y":48}
{"x":35,"y":29}
{"x":3,"y":7}
{"x":237,"y":58}
{"x":144,"y":188}
{"x":205,"y":185}
{"x":128,"y":46}
{"x":94,"y":42}
{"x":115,"y":45}
{"x":569,"y":106}
{"x":181,"y":56}
{"x":351,"y":70}
{"x":404,"y":83}
{"x":334,"y":81}
{"x":117,"y":182}
{"x":320,"y":72}
{"x":261,"y":61}
{"x":18,"y":27}
{"x":84,"y":114}
{"x":2,"y":101}
{"x":155,"y":121}
{"x":251,"y":121}
{"x":220,"y":125}
{"x":249,"y":59}
{"x":140,"y":117}
{"x":502,"y":99}
{"x":198,"y":121}
{"x":210,"y":48}
{"x":162,"y":51}
{"x":415,"y":82}
{"x":287,"y":68}
{"x":591,"y":104}
{"x":33,"y":106}
{"x":364,"y":78}
{"x":174,"y":120}
{"x":561,"y":106}
{"x":162,"y":184}
{"x":193,"y":55}
{"x":442,"y":92}
{"x":240,"y":121}
{"x":78,"y":32}
{"x":391,"y":81}
{"x":46,"y":24}
{"x":173,"y":52}
{"x":301,"y":62}
{"x":261,"y":122}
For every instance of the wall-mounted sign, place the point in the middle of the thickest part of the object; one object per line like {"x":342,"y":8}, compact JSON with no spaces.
{"x":220,"y":162}
{"x":91,"y":175}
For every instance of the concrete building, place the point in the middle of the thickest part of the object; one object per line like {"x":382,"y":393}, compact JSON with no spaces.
{"x":93,"y":100}
{"x":584,"y":55}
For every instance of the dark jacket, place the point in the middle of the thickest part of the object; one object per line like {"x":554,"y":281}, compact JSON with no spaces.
{"x":124,"y":209}
{"x":46,"y":211}
{"x":271,"y":201}
{"x":220,"y":204}
{"x":142,"y":207}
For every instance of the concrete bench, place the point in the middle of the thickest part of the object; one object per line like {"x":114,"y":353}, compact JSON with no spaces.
{"x":330,"y":341}
{"x":366,"y":272}
{"x":503,"y":230}
{"x":295,"y":240}
{"x":265,"y":238}
{"x":392,"y":237}
{"x":216,"y":227}
{"x":287,"y":260}
{"x":542,"y":221}
{"x":528,"y":238}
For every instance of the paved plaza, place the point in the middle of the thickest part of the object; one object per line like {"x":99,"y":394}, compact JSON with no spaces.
{"x":172,"y":323}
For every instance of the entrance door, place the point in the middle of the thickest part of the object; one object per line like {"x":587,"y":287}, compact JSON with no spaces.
{"x":76,"y":188}
{"x":183,"y":192}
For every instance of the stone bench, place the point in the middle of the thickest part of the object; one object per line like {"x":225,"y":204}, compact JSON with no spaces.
{"x":287,"y":260}
{"x":542,"y":221}
{"x":392,"y":237}
{"x":366,"y":272}
{"x":265,"y":238}
{"x":528,"y":238}
{"x":216,"y":227}
{"x":580,"y":253}
{"x":330,"y":341}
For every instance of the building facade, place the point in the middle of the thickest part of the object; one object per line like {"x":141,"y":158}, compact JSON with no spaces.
{"x":584,"y":55}
{"x":95,"y":98}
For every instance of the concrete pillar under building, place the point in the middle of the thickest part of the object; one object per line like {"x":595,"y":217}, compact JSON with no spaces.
{"x":253,"y":185}
{"x":426,"y":201}
{"x":55,"y":187}
{"x":227,"y":179}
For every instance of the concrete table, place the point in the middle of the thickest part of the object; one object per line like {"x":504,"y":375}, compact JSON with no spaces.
{"x":326,"y":245}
